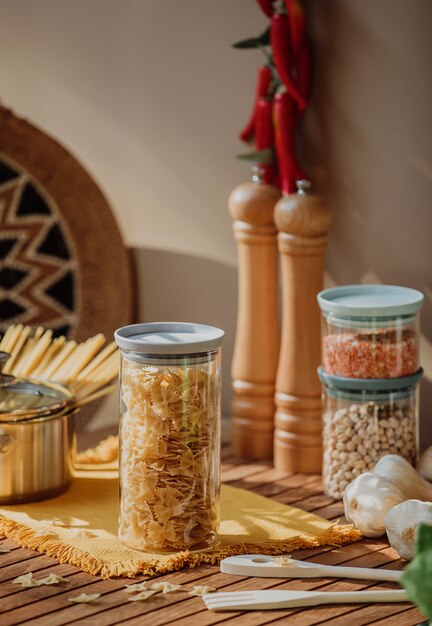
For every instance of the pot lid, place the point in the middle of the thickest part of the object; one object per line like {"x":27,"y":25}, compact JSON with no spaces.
{"x":26,"y":398}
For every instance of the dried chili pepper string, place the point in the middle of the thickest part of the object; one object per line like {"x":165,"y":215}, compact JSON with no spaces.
{"x":297,"y":26}
{"x":280,"y":41}
{"x":264,"y":137}
{"x":292,"y":60}
{"x":284,"y":122}
{"x":304,"y":70}
{"x":264,"y":82}
{"x":288,"y":110}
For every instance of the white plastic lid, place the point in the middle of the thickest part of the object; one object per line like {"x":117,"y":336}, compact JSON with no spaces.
{"x":169,"y":338}
{"x":370,"y":300}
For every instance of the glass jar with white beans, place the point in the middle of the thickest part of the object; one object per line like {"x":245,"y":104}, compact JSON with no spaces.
{"x":362,"y":421}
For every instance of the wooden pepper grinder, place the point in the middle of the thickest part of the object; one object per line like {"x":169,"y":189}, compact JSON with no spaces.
{"x":303,"y":220}
{"x":256,"y":346}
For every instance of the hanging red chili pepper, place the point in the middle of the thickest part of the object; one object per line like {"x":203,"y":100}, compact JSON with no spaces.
{"x":280,"y":42}
{"x":266,"y":6}
{"x":284,"y":123}
{"x":264,"y":137}
{"x":263,"y":85}
{"x":304,"y":69}
{"x":297,"y":23}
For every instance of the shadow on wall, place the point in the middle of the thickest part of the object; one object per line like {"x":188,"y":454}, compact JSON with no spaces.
{"x":182,"y":288}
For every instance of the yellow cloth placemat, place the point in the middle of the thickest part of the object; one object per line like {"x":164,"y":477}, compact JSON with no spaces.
{"x":250,"y":523}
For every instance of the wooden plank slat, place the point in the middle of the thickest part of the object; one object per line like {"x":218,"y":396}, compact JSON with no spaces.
{"x":408,"y":617}
{"x":371,"y":614}
{"x":32,"y":565}
{"x":239,"y":472}
{"x":288,"y":493}
{"x":20,"y":555}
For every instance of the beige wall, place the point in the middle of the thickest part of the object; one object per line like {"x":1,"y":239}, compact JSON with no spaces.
{"x":150,"y":96}
{"x":369,"y":147}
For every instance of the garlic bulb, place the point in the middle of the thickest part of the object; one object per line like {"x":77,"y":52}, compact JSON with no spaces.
{"x":367,"y":499}
{"x":402,"y":473}
{"x":401,"y":522}
{"x":424,"y":466}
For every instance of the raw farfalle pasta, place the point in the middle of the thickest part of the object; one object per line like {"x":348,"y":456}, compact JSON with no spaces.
{"x":284,"y":560}
{"x":83,"y":598}
{"x":166,"y":587}
{"x":201,"y":590}
{"x":45,"y":532}
{"x":135,"y":588}
{"x":27,"y":580}
{"x":53,"y":579}
{"x":169,"y":457}
{"x":80,"y":533}
{"x":143,"y":595}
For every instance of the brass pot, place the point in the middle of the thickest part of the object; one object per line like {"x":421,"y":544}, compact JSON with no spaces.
{"x":37,"y":439}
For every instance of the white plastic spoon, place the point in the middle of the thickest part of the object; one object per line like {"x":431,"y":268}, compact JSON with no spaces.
{"x":268,"y":567}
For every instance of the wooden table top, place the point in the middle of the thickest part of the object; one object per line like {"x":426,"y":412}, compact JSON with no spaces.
{"x":49,"y":605}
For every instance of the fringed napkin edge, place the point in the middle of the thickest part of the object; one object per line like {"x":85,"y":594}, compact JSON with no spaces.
{"x":24,"y":536}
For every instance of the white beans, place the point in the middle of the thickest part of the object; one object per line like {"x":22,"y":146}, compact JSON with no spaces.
{"x":355,"y":438}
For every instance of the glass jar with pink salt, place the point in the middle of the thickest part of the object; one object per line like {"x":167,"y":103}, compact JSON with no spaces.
{"x":169,"y":436}
{"x":370,"y":331}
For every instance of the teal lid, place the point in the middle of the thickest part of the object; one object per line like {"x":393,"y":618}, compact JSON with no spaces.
{"x":370,"y":300}
{"x":369,"y":384}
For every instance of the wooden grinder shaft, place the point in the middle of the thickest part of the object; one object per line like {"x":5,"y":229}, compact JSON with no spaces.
{"x":256,"y":346}
{"x":303,"y":221}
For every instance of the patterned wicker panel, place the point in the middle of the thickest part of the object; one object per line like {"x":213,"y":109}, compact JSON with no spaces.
{"x":63,"y":263}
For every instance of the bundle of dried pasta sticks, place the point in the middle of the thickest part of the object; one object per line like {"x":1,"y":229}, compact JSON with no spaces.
{"x":86,"y":368}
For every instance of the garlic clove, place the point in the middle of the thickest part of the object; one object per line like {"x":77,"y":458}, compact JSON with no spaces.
{"x":405,"y":476}
{"x":367,"y":499}
{"x":424,"y":466}
{"x":401,"y":522}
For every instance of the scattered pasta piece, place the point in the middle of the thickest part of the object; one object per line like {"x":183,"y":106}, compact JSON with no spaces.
{"x":165,"y":587}
{"x":27,"y":580}
{"x":200,"y":590}
{"x":136,"y":587}
{"x":104,"y":452}
{"x":85,"y":597}
{"x":53,"y":579}
{"x":143,"y":595}
{"x":4,"y":550}
{"x":284,"y":560}
{"x":59,"y":522}
{"x":80,"y":533}
{"x":45,"y":532}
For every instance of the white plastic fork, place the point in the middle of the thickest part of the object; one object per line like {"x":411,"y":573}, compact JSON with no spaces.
{"x":258,"y":600}
{"x":267,"y":567}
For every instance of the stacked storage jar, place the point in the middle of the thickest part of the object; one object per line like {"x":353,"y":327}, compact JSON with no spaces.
{"x":370,"y":373}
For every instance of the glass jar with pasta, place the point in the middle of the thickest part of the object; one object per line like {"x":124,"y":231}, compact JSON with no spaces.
{"x":169,"y":436}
